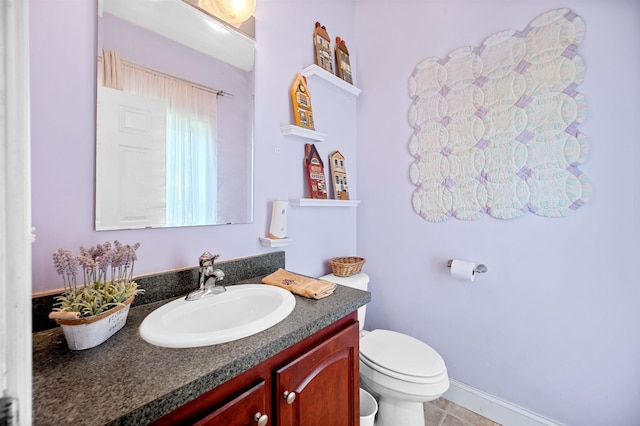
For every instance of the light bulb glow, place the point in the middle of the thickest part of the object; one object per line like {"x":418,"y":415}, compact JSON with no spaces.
{"x":234,"y":12}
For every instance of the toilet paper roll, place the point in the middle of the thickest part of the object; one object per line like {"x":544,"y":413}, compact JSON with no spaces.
{"x":278,"y":228}
{"x":463,"y":270}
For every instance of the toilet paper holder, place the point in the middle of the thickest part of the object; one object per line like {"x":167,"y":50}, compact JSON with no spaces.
{"x":479,"y":269}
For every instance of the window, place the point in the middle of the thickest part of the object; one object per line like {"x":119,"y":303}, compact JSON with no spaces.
{"x":191,"y":146}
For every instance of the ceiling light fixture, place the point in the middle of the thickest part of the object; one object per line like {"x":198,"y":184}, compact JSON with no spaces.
{"x":235,"y":12}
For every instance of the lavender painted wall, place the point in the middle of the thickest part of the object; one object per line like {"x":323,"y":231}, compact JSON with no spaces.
{"x":63,"y":40}
{"x":553,"y":326}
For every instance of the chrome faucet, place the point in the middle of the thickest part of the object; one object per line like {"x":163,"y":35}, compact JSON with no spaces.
{"x":205,"y":274}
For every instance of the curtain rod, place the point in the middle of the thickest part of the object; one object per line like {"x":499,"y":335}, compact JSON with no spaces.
{"x":218,"y":93}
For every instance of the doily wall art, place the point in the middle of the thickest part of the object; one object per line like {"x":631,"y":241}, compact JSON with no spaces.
{"x":496,"y":126}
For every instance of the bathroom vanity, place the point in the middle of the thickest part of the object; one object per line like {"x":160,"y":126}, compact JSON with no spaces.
{"x":316,"y":379}
{"x":312,"y":356}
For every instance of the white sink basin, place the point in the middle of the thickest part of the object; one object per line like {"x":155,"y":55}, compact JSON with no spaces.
{"x":239,"y":312}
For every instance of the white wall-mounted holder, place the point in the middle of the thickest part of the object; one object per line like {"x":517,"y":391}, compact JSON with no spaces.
{"x":463,"y":270}
{"x":328,"y":202}
{"x":479,"y":269}
{"x":275,"y":242}
{"x":292,"y":130}
{"x":314,"y":70}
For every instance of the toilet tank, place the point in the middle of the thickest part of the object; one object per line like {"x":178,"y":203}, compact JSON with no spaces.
{"x":359,"y":281}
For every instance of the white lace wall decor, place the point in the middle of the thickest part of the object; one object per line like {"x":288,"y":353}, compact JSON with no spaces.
{"x":496,"y":126}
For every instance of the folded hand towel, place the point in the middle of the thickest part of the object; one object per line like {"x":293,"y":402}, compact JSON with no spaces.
{"x":299,"y":284}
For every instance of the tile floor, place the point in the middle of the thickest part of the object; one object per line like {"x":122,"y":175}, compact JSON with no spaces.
{"x":445,"y":413}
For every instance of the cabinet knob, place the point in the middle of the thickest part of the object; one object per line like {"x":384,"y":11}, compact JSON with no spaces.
{"x":289,"y":396}
{"x":261,"y":419}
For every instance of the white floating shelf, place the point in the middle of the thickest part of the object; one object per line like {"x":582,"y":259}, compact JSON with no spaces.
{"x":302,"y":132}
{"x":326,"y":75}
{"x":313,"y":202}
{"x":275,"y":242}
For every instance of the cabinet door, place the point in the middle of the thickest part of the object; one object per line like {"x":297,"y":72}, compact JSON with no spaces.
{"x":321,"y":386}
{"x":249,"y":408}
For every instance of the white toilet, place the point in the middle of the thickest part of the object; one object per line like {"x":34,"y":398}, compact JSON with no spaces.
{"x":400,"y":371}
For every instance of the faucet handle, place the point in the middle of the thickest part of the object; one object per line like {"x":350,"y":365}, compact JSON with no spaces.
{"x":207,"y":259}
{"x":218,"y":275}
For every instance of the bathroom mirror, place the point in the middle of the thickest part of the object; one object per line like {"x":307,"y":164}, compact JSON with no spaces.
{"x":174,"y":130}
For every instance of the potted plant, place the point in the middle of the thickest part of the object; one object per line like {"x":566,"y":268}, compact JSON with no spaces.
{"x":91,"y":313}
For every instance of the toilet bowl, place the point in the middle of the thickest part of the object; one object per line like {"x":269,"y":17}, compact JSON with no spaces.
{"x":401,"y":372}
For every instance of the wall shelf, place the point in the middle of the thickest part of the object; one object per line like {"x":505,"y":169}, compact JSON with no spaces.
{"x":313,"y":202}
{"x":302,"y":132}
{"x":314,"y":70}
{"x":275,"y":242}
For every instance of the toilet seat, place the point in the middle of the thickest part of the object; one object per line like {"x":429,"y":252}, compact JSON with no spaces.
{"x":400,"y":389}
{"x":402,"y":357}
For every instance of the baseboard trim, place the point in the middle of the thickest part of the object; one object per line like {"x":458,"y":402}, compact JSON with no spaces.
{"x":493,"y":408}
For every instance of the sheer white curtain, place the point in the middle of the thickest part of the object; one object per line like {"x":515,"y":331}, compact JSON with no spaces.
{"x":191,"y":143}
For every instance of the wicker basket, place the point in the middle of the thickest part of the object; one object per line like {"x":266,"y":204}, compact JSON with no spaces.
{"x":346,"y":266}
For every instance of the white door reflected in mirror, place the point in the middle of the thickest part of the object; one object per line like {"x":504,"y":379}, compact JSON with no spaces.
{"x":131,"y":176}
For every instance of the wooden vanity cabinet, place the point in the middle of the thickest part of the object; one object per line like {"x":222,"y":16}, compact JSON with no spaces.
{"x":248,"y":408}
{"x":314,"y":382}
{"x":321,"y":386}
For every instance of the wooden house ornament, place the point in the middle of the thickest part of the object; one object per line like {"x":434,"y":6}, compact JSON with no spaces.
{"x":302,"y":103}
{"x":343,"y":65}
{"x":322,"y":46}
{"x":315,"y":172}
{"x":339,"y":176}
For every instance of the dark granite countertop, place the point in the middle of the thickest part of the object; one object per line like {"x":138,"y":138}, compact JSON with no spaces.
{"x":129,"y":381}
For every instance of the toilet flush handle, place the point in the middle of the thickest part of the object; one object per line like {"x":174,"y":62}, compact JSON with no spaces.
{"x":289,"y":396}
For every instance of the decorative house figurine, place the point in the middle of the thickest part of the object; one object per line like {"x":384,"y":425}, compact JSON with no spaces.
{"x":302,"y":103}
{"x":322,"y":45}
{"x":315,"y":172}
{"x":339,"y":176}
{"x":343,"y":65}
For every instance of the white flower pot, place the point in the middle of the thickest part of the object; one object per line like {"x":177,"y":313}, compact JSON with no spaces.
{"x":89,"y":332}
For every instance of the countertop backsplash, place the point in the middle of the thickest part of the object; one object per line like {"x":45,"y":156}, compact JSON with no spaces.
{"x":166,"y":285}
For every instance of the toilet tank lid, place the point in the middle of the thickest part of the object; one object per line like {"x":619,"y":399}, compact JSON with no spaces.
{"x":359,"y":281}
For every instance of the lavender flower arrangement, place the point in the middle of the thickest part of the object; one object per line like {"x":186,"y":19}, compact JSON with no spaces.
{"x":107,"y":277}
